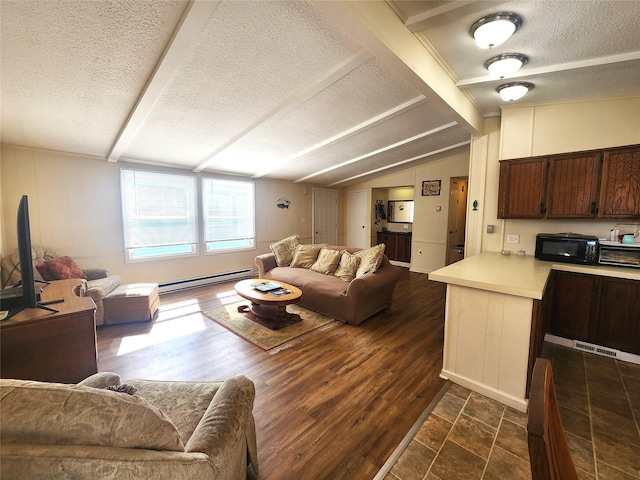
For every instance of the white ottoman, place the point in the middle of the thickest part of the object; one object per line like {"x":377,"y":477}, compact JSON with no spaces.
{"x":137,"y":302}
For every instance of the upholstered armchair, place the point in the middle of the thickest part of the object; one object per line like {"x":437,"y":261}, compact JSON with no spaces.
{"x":142,"y":429}
{"x":97,"y":285}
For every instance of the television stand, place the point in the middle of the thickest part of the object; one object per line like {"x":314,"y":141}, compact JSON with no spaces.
{"x":48,"y":346}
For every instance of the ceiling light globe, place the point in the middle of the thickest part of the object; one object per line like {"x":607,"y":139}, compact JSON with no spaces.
{"x":510,"y":92}
{"x":505,"y":65}
{"x":494,"y":30}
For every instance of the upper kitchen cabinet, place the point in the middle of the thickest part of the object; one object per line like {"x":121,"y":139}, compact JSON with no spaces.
{"x":620,"y":190}
{"x":573,"y":186}
{"x":522,"y":188}
{"x":592,"y":184}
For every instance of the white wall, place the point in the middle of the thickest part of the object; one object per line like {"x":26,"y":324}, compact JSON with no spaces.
{"x":74,"y":205}
{"x":532,"y":130}
{"x":429,"y":240}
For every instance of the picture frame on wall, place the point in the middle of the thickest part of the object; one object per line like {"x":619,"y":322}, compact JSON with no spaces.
{"x":430,"y":188}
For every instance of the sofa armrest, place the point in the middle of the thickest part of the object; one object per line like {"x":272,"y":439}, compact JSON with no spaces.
{"x":101,"y":380}
{"x":265,"y":262}
{"x":228,"y":421}
{"x":96,"y":273}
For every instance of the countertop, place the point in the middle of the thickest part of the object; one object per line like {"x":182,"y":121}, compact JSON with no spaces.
{"x":522,"y":276}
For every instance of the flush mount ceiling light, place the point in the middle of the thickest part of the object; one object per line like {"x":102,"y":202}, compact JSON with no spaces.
{"x":505,"y":65}
{"x":495,"y":29}
{"x":514,"y":90}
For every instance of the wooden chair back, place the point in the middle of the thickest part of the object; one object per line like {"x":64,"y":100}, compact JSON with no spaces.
{"x":548,"y":450}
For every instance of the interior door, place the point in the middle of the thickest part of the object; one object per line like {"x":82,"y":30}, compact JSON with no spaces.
{"x":325,"y":216}
{"x":457,"y":211}
{"x":358,"y":219}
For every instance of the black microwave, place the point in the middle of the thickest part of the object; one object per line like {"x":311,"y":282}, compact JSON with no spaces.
{"x":567,"y":248}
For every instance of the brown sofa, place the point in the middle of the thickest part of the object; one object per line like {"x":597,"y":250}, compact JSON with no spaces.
{"x":165,"y":430}
{"x":350,"y":302}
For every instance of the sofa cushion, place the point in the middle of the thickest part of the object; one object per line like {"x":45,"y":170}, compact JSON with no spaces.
{"x":327,"y":261}
{"x":60,"y":268}
{"x":54,"y":413}
{"x":305,"y":256}
{"x":285,"y":249}
{"x":370,"y":259}
{"x":348,"y":266}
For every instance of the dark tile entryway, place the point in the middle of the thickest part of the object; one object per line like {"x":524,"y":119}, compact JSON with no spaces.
{"x":468,"y":436}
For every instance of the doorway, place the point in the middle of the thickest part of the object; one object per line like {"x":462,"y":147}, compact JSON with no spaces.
{"x":358,"y":219}
{"x":325,"y":216}
{"x":458,"y":189}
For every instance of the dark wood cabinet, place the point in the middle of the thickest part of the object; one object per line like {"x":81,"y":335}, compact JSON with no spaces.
{"x":574,"y":182}
{"x":51,"y":347}
{"x":596,"y":309}
{"x":619,"y":315}
{"x":620,"y":191}
{"x":397,"y":246}
{"x":522,"y":188}
{"x":574,"y":305}
{"x":590,"y":184}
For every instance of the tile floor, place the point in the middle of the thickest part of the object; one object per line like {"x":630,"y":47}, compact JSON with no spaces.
{"x":469,"y":436}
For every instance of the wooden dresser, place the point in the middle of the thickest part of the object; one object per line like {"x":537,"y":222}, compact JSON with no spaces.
{"x":52,"y":347}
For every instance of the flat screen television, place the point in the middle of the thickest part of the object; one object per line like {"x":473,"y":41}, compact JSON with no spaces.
{"x":27,"y":295}
{"x":27,"y":276}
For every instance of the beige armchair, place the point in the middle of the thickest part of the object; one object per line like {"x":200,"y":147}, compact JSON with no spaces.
{"x":98,"y":285}
{"x":164,"y":430}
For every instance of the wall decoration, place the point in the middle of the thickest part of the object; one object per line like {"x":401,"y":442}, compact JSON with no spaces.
{"x":282,"y":203}
{"x":430,"y":188}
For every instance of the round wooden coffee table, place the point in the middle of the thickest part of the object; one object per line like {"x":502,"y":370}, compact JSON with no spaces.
{"x":270,"y":308}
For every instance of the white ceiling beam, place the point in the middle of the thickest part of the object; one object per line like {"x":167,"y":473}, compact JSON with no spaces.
{"x":418,"y":22}
{"x":386,"y":148}
{"x":376,"y":26}
{"x":194,"y":19}
{"x":295,"y":100}
{"x":402,"y":162}
{"x":562,"y":67}
{"x":383,"y":117}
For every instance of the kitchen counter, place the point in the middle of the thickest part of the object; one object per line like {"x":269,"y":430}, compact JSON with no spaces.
{"x":515,"y":275}
{"x":511,"y":274}
{"x":492,"y":315}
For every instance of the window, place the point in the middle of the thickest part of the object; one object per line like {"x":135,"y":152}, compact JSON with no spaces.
{"x":159,"y":215}
{"x":229,"y":214}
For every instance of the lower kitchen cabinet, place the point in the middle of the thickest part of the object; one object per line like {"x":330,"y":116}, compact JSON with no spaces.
{"x":597,"y":309}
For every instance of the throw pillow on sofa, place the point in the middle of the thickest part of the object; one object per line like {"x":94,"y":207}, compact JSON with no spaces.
{"x":327,"y":261}
{"x":370,"y":259}
{"x":60,"y":268}
{"x":285,"y":249}
{"x":348,"y":266}
{"x":305,"y":256}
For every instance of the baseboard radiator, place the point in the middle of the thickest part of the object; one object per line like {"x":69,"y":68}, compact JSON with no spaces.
{"x":597,"y":349}
{"x":204,"y":281}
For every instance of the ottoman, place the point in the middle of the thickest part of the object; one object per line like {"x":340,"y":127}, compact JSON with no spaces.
{"x":137,"y":302}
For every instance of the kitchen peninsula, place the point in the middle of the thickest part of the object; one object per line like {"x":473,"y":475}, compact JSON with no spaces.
{"x":494,"y":320}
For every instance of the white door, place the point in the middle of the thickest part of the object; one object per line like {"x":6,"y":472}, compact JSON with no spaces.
{"x":325,"y":216}
{"x":358,"y":219}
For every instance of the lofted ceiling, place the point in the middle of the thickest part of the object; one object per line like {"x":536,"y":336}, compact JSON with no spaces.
{"x":326,"y":92}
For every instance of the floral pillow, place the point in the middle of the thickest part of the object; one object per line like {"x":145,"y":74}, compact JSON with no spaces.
{"x":285,"y":249}
{"x":370,"y":259}
{"x":60,"y":268}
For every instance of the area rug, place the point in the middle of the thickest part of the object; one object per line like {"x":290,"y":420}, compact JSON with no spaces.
{"x":272,"y":341}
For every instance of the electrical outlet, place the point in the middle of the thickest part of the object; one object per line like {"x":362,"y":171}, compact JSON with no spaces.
{"x":513,"y":238}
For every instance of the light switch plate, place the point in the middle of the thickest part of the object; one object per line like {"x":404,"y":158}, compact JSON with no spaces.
{"x":513,"y":238}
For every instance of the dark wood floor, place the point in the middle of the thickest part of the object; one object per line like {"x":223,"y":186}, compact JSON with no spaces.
{"x":332,"y":407}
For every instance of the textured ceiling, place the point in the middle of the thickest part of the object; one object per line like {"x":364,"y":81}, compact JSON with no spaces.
{"x":327,"y":92}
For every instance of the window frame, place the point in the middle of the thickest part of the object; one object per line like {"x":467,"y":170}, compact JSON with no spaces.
{"x":193,"y":218}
